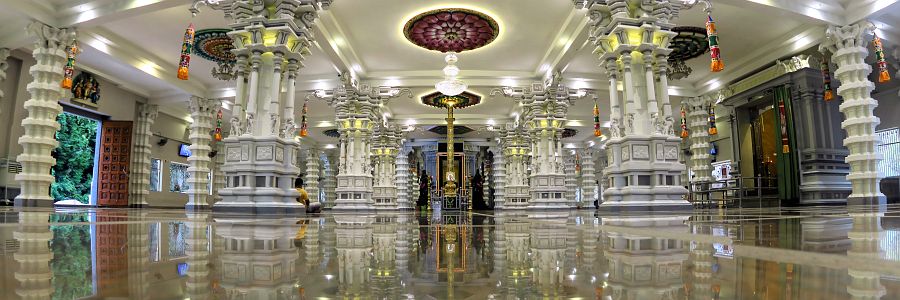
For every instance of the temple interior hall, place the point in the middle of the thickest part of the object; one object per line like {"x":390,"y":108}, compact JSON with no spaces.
{"x":465,"y":149}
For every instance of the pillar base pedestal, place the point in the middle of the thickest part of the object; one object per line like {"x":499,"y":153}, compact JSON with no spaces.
{"x":548,"y":192}
{"x":260,"y":173}
{"x":871,"y":200}
{"x":354,"y":192}
{"x":18,"y":202}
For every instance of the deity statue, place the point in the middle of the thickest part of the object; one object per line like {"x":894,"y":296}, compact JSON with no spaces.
{"x":614,"y":130}
{"x":274,"y":119}
{"x":248,"y":127}
{"x":235,"y":126}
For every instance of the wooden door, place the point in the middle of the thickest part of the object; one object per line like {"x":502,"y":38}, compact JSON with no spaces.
{"x":115,"y":157}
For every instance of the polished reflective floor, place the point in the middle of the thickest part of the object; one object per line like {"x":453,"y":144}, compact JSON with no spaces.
{"x":801,"y":253}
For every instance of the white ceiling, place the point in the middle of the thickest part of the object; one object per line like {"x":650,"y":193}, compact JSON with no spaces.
{"x":136,"y":44}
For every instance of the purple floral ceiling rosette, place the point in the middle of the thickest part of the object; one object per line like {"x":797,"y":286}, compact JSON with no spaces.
{"x":451,"y":30}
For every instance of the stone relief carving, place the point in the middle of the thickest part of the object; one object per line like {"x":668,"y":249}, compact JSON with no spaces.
{"x":629,"y":124}
{"x":615,"y":130}
{"x":288,"y":129}
{"x":248,"y":125}
{"x":668,"y":126}
{"x":641,"y":151}
{"x":235,"y":126}
{"x":273,"y":118}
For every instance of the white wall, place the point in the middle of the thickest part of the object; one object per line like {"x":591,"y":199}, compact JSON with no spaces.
{"x":115,"y":102}
{"x":888,"y":109}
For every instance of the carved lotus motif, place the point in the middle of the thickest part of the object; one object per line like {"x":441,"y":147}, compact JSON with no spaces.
{"x":451,"y":30}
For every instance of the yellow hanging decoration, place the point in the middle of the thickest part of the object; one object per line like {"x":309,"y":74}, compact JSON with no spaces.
{"x":187,"y":46}
{"x":883,"y":75}
{"x":69,"y":69}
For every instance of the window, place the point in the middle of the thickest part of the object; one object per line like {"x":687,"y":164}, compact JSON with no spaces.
{"x":155,"y":173}
{"x":178,"y":232}
{"x":890,"y":151}
{"x":178,"y":178}
{"x":154,"y":242}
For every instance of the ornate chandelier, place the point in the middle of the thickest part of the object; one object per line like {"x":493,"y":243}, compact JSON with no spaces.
{"x":678,"y":70}
{"x":451,"y":86}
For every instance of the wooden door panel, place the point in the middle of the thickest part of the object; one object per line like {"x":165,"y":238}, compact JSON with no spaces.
{"x":115,"y":152}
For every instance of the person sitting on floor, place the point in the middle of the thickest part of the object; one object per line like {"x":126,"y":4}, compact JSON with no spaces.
{"x":304,"y":198}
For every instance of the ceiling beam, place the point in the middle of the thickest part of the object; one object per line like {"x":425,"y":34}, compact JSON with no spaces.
{"x":857,"y":10}
{"x":103,"y":11}
{"x":334,"y":43}
{"x":821,"y":11}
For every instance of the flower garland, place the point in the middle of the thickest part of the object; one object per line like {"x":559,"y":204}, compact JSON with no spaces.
{"x":712,"y":120}
{"x":826,"y":75}
{"x":684,"y":129}
{"x":883,"y":75}
{"x":69,"y":69}
{"x":716,"y":65}
{"x":597,"y":120}
{"x":186,"y":47}
{"x":785,"y":148}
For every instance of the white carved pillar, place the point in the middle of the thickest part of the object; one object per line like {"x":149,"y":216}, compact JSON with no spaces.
{"x":402,"y":178}
{"x":514,"y":145}
{"x":311,"y":181}
{"x":330,"y":179}
{"x":499,"y":173}
{"x":848,"y":48}
{"x":140,"y":156}
{"x":644,"y":168}
{"x":43,"y":108}
{"x":202,"y":111}
{"x":261,"y":154}
{"x":866,"y":238}
{"x":571,"y":177}
{"x":385,"y":147}
{"x":218,"y":174}
{"x":698,"y":128}
{"x":588,"y":178}
{"x":34,"y":274}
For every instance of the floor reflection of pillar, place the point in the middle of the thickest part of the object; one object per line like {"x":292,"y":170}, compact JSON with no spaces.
{"x":866,"y":237}
{"x":645,"y":267}
{"x":138,"y":257}
{"x":258,"y":258}
{"x":34,"y":255}
{"x":354,"y":243}
{"x":198,"y":281}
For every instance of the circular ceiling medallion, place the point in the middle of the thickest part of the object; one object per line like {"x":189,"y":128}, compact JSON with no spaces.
{"x":214,"y":45}
{"x":437,"y":99}
{"x":451,"y":30}
{"x":690,"y":42}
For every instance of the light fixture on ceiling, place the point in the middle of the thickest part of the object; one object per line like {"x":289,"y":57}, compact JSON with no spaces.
{"x":225,"y":71}
{"x":678,"y":70}
{"x":451,"y":86}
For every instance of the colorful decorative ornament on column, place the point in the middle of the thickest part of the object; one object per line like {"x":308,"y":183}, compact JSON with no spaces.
{"x":69,"y":69}
{"x":785,"y":148}
{"x":304,"y":126}
{"x":684,"y":129}
{"x":218,"y":133}
{"x":597,"y":120}
{"x":826,"y":75}
{"x":187,"y":46}
{"x":712,"y":120}
{"x":716,"y":65}
{"x":883,"y":75}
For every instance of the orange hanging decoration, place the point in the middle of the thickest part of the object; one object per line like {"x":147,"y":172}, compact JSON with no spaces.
{"x":187,"y":46}
{"x":716,"y":65}
{"x":712,"y":121}
{"x":597,"y":120}
{"x":684,"y":129}
{"x":883,"y":75}
{"x":826,"y":75}
{"x":69,"y":69}
{"x":218,"y":134}
{"x":304,"y":126}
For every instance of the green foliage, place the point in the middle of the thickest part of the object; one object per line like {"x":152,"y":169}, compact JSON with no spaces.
{"x":71,"y":264}
{"x":74,"y":168}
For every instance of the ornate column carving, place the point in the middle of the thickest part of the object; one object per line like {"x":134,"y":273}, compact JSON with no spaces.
{"x":330,"y":181}
{"x":515,"y":145}
{"x":34,"y":255}
{"x":140,"y":156}
{"x":358,"y":111}
{"x":847,"y":45}
{"x":218,"y":174}
{"x":546,"y":107}
{"x":499,"y":173}
{"x":588,"y":178}
{"x":571,"y":177}
{"x":401,"y":179}
{"x":385,"y":147}
{"x":311,"y":181}
{"x":697,"y":110}
{"x":644,"y":168}
{"x":260,"y":152}
{"x":202,"y":111}
{"x":43,"y":108}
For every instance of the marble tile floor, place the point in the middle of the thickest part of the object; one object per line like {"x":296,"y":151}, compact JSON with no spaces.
{"x":771,"y":253}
